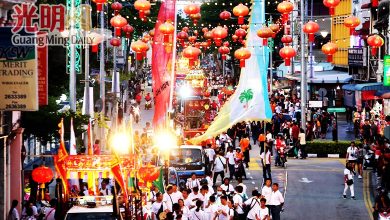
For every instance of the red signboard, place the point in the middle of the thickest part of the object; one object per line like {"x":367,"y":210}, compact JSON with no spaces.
{"x":42,"y":74}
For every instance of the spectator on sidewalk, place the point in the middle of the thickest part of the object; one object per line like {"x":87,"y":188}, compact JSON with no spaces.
{"x":13,"y":212}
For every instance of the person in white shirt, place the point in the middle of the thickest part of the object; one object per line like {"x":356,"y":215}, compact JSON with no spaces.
{"x":211,"y":208}
{"x":219,"y":167}
{"x":158,"y":206}
{"x":269,"y":139}
{"x":32,"y":207}
{"x":222,"y":212}
{"x":267,"y":190}
{"x":254,"y":205}
{"x":238,"y":200}
{"x":226,"y":186}
{"x":348,"y":180}
{"x":192,"y":182}
{"x":352,"y":154}
{"x":230,"y":155}
{"x":186,"y":199}
{"x":51,"y":212}
{"x":195,"y":195}
{"x":240,"y":183}
{"x":13,"y":212}
{"x":205,"y":195}
{"x":266,"y":161}
{"x":176,"y":194}
{"x":167,"y":198}
{"x":209,"y":178}
{"x":184,"y":210}
{"x":197,"y":213}
{"x":276,"y":202}
{"x":105,"y":191}
{"x":211,"y":155}
{"x":263,"y":213}
{"x":302,"y":143}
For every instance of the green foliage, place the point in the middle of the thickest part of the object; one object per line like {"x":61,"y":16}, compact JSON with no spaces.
{"x":246,"y":95}
{"x":322,"y":147}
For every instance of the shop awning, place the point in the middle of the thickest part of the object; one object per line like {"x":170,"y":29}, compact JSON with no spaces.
{"x":384,"y":94}
{"x":366,"y":87}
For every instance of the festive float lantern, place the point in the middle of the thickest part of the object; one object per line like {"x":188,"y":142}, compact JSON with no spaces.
{"x":265,"y":33}
{"x":240,"y":11}
{"x":195,"y":18}
{"x":311,"y":28}
{"x":374,"y":41}
{"x":329,"y":49}
{"x":99,"y":4}
{"x":285,"y":8}
{"x":205,"y":29}
{"x":286,"y":39}
{"x":182,"y":36}
{"x":331,"y":4}
{"x":118,"y":22}
{"x":191,"y":53}
{"x":223,"y":51}
{"x":140,"y":48}
{"x":192,"y":39}
{"x":351,"y":22}
{"x":191,"y":9}
{"x":235,"y":38}
{"x":287,"y":53}
{"x":115,"y":42}
{"x":116,"y":6}
{"x":219,"y":33}
{"x":225,"y":15}
{"x":242,"y":54}
{"x":142,"y":6}
{"x":128,"y":29}
{"x":240,"y":33}
{"x":167,"y":30}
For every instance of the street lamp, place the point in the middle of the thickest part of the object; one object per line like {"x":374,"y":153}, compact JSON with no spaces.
{"x":165,"y":141}
{"x":120,"y":143}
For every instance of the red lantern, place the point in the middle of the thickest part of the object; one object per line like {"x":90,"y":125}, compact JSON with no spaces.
{"x":374,"y":41}
{"x":329,"y":49}
{"x":311,"y":28}
{"x":242,"y":54}
{"x":265,"y":33}
{"x":219,"y":33}
{"x":148,"y":173}
{"x":225,"y":15}
{"x":235,"y":38}
{"x":351,"y":22}
{"x":116,"y":6}
{"x":191,"y":9}
{"x":286,"y":39}
{"x":151,"y":32}
{"x":191,"y":53}
{"x":205,"y":45}
{"x":240,"y":11}
{"x":182,"y":36}
{"x":195,"y":18}
{"x":226,"y":44}
{"x":118,"y":22}
{"x":274,"y":28}
{"x":97,"y":38}
{"x":244,"y":26}
{"x":128,"y":29}
{"x":116,"y":42}
{"x":140,"y":48}
{"x":205,"y":29}
{"x":99,"y":4}
{"x":287,"y":53}
{"x":197,"y":45}
{"x":142,"y":6}
{"x":167,"y":30}
{"x":185,"y":29}
{"x":223,"y":51}
{"x":192,"y":39}
{"x":331,"y":4}
{"x":42,"y":174}
{"x":285,"y":8}
{"x":240,"y":33}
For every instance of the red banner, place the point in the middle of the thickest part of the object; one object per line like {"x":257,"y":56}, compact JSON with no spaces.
{"x":162,"y":64}
{"x":42,"y":73}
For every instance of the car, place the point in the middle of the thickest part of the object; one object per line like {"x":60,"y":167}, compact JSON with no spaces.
{"x":87,"y":209}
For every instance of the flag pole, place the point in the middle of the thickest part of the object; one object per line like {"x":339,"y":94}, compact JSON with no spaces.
{"x":173,"y":63}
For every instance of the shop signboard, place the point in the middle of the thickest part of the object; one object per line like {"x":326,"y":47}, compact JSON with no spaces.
{"x":315,"y":104}
{"x":386,"y":70}
{"x":336,"y":110}
{"x":18,"y":74}
{"x":357,"y":57}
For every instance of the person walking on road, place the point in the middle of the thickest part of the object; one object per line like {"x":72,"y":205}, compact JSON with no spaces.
{"x":219,"y":167}
{"x":302,"y":143}
{"x":266,"y":161}
{"x":244,"y":144}
{"x":348,"y":180}
{"x":263,"y":213}
{"x":352,"y":152}
{"x":276,"y":202}
{"x":230,"y":156}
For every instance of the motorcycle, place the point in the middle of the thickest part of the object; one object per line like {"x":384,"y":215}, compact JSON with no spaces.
{"x":148,"y":104}
{"x":282,"y":157}
{"x":384,"y":216}
{"x":368,"y":159}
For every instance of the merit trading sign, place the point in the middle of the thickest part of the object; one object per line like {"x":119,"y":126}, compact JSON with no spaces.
{"x":336,"y":110}
{"x":386,"y":70}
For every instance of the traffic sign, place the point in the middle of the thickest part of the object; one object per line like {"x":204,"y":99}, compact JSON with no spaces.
{"x":336,"y":110}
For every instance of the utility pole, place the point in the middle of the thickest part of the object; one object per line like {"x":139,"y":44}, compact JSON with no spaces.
{"x":102,"y":74}
{"x":271,"y":49}
{"x":303,"y":69}
{"x":72,"y":71}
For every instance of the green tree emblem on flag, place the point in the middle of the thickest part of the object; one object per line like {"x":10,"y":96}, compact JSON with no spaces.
{"x":246,"y":96}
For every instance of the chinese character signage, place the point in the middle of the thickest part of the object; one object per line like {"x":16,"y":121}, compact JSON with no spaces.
{"x":42,"y":55}
{"x":357,"y":57}
{"x":386,"y":70}
{"x":18,"y":75}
